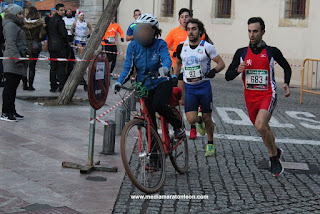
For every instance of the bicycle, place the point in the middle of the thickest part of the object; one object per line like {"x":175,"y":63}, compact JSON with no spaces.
{"x":141,"y":144}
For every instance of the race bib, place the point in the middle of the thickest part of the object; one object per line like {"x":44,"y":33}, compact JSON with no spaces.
{"x":112,"y":40}
{"x":68,"y":27}
{"x":256,"y":79}
{"x":83,"y":38}
{"x":193,"y":74}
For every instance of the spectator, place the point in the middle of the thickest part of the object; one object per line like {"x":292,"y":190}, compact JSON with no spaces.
{"x":5,"y":11}
{"x":46,"y":22}
{"x":35,"y":33}
{"x":136,"y":14}
{"x":109,"y":42}
{"x":69,"y":20}
{"x":16,"y":46}
{"x":1,"y":54}
{"x":58,"y":46}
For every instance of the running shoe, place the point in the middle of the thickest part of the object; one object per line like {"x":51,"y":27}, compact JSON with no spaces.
{"x":201,"y":126}
{"x":210,"y":150}
{"x":180,"y":133}
{"x":276,"y":168}
{"x":193,"y":134}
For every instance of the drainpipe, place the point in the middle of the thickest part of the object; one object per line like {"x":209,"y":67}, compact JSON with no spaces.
{"x":190,"y":6}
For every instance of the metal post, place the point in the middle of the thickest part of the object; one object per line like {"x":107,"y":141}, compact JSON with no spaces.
{"x":109,"y":137}
{"x":127,"y":106}
{"x":133,"y":103}
{"x":120,"y":119}
{"x":91,"y":136}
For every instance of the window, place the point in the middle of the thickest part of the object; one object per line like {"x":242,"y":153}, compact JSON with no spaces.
{"x":296,"y":9}
{"x":223,"y":9}
{"x":167,"y":8}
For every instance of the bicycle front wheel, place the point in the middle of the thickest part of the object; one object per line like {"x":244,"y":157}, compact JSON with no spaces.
{"x":145,"y":169}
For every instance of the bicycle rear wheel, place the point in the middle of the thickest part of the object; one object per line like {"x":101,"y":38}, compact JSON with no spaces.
{"x":179,"y":156}
{"x":145,"y":170}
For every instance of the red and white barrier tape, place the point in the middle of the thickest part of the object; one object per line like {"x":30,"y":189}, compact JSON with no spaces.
{"x":115,"y":106}
{"x":109,"y":110}
{"x":292,"y":65}
{"x":118,"y":53}
{"x":46,"y":59}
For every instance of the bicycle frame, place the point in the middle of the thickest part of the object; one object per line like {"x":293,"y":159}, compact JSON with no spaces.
{"x":164,"y":127}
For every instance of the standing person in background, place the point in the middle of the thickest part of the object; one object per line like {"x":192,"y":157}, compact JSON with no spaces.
{"x":58,"y":46}
{"x":69,"y":20}
{"x":136,"y":14}
{"x":35,"y":33}
{"x":109,"y":42}
{"x":1,"y":54}
{"x":5,"y":11}
{"x":16,"y":46}
{"x":46,"y":22}
{"x":82,"y":30}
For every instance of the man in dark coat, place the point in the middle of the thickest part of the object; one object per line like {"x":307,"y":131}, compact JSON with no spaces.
{"x":58,"y":46}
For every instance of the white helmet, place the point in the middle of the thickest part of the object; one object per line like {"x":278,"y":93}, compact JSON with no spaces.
{"x":148,"y":19}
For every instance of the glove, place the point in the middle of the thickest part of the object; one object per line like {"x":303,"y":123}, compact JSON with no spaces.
{"x":163,"y":71}
{"x":116,"y":87}
{"x":88,"y":36}
{"x":122,"y":39}
{"x":105,"y":41}
{"x":211,"y":73}
{"x":175,"y":80}
{"x":174,"y":54}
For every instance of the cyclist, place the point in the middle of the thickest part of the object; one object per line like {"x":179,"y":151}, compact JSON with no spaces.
{"x":82,"y":30}
{"x":109,"y":42}
{"x":194,"y":57}
{"x":256,"y":64}
{"x":150,"y":55}
{"x":136,"y":14}
{"x":175,"y":37}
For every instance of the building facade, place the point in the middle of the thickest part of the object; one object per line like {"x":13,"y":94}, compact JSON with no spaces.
{"x":291,"y":25}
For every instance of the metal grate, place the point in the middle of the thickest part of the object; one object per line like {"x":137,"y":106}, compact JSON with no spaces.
{"x":167,"y":8}
{"x":296,"y":9}
{"x":223,"y":9}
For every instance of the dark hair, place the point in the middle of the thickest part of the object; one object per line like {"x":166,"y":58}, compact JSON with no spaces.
{"x":158,"y":32}
{"x":32,"y":13}
{"x":136,"y":10}
{"x":59,"y":5}
{"x":257,"y":20}
{"x":183,"y":10}
{"x":199,"y":23}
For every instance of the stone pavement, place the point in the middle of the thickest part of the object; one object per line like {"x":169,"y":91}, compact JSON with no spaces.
{"x":235,"y":180}
{"x":33,"y":181}
{"x":32,"y":150}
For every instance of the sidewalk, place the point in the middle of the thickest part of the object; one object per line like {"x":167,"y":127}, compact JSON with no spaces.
{"x":32,"y":150}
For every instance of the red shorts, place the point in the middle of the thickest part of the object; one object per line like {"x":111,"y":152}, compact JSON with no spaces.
{"x":268,"y":104}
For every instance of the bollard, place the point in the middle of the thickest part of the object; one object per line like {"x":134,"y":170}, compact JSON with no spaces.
{"x":109,"y":137}
{"x":120,"y":119}
{"x":133,"y":102}
{"x":127,"y":106}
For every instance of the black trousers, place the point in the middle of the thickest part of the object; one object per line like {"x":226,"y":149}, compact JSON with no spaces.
{"x":111,"y":57}
{"x":10,"y":92}
{"x":157,"y":102}
{"x":32,"y":66}
{"x":58,"y":69}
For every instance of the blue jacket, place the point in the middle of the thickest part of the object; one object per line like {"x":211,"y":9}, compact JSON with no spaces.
{"x":146,"y":60}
